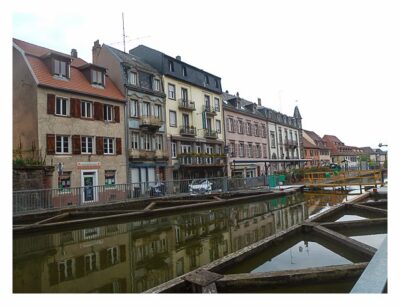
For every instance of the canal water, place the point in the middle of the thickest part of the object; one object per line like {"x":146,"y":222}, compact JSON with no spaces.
{"x":138,"y":255}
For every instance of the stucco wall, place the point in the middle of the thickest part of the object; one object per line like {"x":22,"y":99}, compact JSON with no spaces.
{"x":25,"y":130}
{"x":51,"y":124}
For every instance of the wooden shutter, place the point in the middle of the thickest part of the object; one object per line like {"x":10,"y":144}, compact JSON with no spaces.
{"x":80,"y":266}
{"x":51,"y":144}
{"x":98,"y":111}
{"x":51,"y":104}
{"x":99,"y":145}
{"x":116,"y":114}
{"x":103,"y":259}
{"x":76,"y":144}
{"x":53,"y":273}
{"x":119,"y":146}
{"x":75,"y":108}
{"x":122,"y":253}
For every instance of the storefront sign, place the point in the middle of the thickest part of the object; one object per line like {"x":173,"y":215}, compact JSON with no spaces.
{"x":88,"y":165}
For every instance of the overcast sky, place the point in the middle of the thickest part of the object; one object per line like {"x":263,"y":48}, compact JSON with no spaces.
{"x":337,"y":59}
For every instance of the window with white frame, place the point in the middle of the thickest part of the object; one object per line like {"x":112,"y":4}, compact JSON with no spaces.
{"x":240,"y":126}
{"x":146,"y":141}
{"x":134,"y":108}
{"x":145,"y":109}
{"x":90,"y":262}
{"x":97,"y":77}
{"x":65,"y":180}
{"x":256,"y":131}
{"x":61,"y":68}
{"x":263,"y":131}
{"x":173,"y":149}
{"x":62,"y":106}
{"x":218,"y":126}
{"x":109,"y":145}
{"x":230,"y":124}
{"x":249,"y":149}
{"x":112,"y":256}
{"x":156,"y":85}
{"x":86,"y":109}
{"x":248,"y":128}
{"x":171,"y":66}
{"x":158,"y":111}
{"x":87,"y":145}
{"x":159,"y":142}
{"x":66,"y":269}
{"x":63,"y":144}
{"x":171,"y":92}
{"x":172,"y":118}
{"x":272,"y":139}
{"x":241,"y":149}
{"x":216,"y":104}
{"x":108,"y":112}
{"x":135,"y":141}
{"x":132,"y":78}
{"x":109,"y":177}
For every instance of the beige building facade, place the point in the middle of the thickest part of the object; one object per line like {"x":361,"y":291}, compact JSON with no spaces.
{"x":71,"y":114}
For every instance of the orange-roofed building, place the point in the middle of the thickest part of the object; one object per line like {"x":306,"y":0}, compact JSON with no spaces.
{"x":71,"y":114}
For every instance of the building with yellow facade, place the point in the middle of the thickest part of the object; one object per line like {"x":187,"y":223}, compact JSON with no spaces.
{"x":194,"y":116}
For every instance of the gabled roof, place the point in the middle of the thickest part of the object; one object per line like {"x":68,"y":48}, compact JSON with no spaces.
{"x":307,"y":144}
{"x":131,"y":59}
{"x":77,"y":83}
{"x":368,"y":150}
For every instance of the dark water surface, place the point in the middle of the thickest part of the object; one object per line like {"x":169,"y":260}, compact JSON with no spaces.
{"x":138,"y":255}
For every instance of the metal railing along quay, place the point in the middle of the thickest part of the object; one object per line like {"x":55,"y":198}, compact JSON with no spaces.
{"x":32,"y":201}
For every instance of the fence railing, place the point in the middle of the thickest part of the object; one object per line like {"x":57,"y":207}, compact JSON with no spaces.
{"x":30,"y":201}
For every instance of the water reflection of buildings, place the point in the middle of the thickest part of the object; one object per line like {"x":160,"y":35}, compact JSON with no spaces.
{"x":139,"y":255}
{"x":87,"y":260}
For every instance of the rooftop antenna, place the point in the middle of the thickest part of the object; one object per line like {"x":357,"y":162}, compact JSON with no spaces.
{"x":123,"y":30}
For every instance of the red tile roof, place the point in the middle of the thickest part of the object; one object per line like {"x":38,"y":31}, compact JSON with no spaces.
{"x":307,"y":144}
{"x":77,"y":82}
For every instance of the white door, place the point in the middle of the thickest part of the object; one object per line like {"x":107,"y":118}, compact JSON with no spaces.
{"x":89,"y":184}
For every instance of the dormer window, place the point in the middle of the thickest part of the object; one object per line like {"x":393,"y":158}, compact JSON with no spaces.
{"x":133,"y":78}
{"x":61,"y":68}
{"x":216,"y":83}
{"x":184,"y":71}
{"x":206,"y":80}
{"x":156,"y":85}
{"x":97,"y":77}
{"x":171,"y":66}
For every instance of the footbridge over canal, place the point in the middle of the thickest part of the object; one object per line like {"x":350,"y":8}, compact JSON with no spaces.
{"x":316,"y":180}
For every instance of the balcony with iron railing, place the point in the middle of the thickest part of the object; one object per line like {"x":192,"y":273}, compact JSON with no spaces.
{"x":210,"y":110}
{"x":201,"y":159}
{"x":187,"y":130}
{"x":208,"y":133}
{"x":290,"y":143}
{"x":147,"y":154}
{"x":186,"y":105}
{"x":150,"y":122}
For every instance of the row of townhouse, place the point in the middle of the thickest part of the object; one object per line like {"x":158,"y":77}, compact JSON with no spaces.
{"x":330,"y":149}
{"x":140,"y":117}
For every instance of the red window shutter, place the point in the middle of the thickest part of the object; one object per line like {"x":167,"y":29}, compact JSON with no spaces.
{"x":119,"y":146}
{"x":99,"y":145}
{"x":51,"y":104}
{"x":98,"y":111}
{"x":76,"y":144}
{"x":116,"y":114}
{"x":75,"y":108}
{"x":51,"y":144}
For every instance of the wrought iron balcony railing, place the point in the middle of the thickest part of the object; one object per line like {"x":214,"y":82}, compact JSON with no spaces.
{"x":187,"y":130}
{"x":186,"y":105}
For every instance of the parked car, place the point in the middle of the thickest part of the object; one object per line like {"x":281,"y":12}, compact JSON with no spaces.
{"x":200,"y":186}
{"x":157,"y":190}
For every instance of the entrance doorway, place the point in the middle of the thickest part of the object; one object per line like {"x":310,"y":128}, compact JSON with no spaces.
{"x":89,"y":181}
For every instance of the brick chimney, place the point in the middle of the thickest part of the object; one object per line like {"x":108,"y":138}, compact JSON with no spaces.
{"x":178,"y":57}
{"x":259,"y":101}
{"x":74,"y":53}
{"x":95,"y":51}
